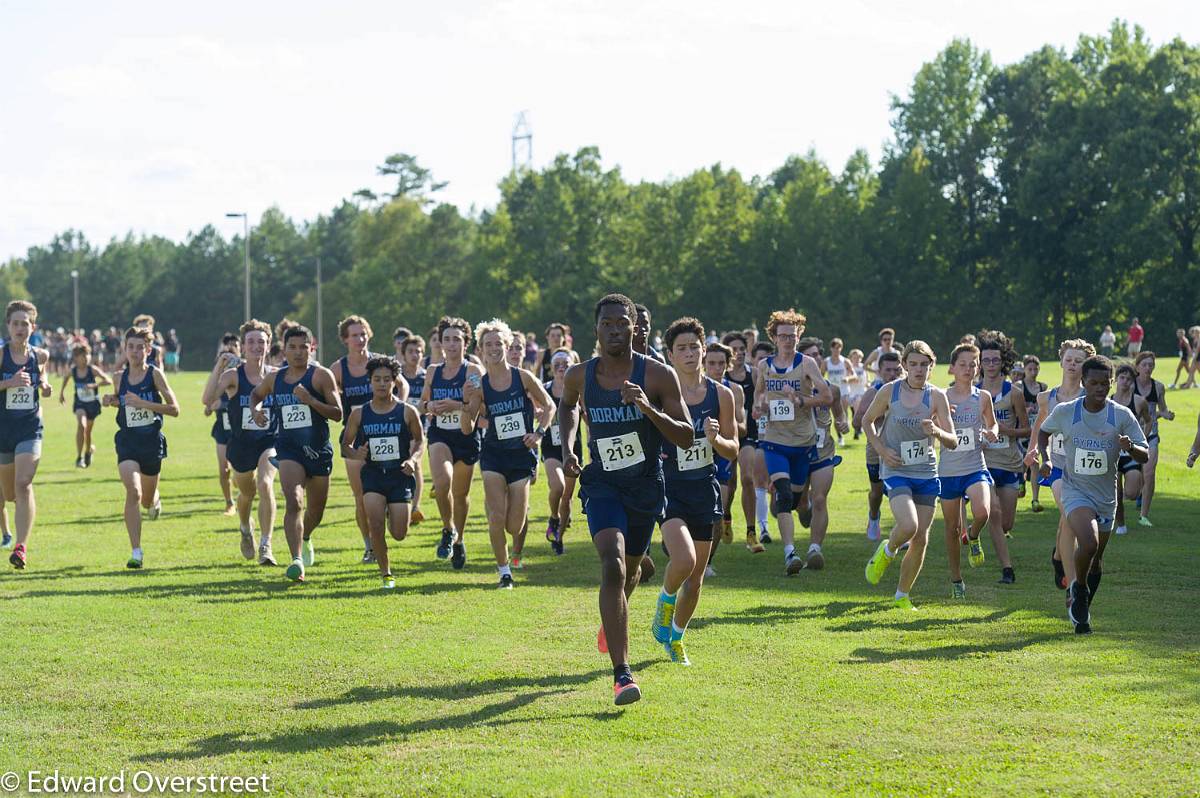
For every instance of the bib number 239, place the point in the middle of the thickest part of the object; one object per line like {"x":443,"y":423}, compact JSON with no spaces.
{"x":621,"y":451}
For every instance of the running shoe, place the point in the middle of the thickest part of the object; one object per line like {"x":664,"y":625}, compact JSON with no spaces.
{"x":601,"y":641}
{"x":1008,"y":534}
{"x":646,"y":570}
{"x":664,"y":614}
{"x":308,"y":554}
{"x":79,"y":463}
{"x":1021,"y":491}
{"x":230,"y":509}
{"x":958,"y":590}
{"x":976,"y":556}
{"x":816,"y":560}
{"x":17,"y":558}
{"x":793,"y":564}
{"x":515,"y":560}
{"x":726,"y":531}
{"x":458,"y":557}
{"x":368,"y":557}
{"x":1060,"y":575}
{"x":154,"y":512}
{"x":1122,"y":530}
{"x":506,"y":582}
{"x":134,"y":563}
{"x":265,"y":555}
{"x":872,"y":529}
{"x":1008,"y":576}
{"x":1078,"y":609}
{"x":295,"y":571}
{"x":416,"y":518}
{"x":878,"y":563}
{"x":247,"y":542}
{"x":389,"y":582}
{"x":764,"y":536}
{"x":625,"y":690}
{"x":443,"y":548}
{"x":1036,"y":506}
{"x":1083,"y":629}
{"x":903,"y":604}
{"x":963,"y":539}
{"x":552,"y":529}
{"x":709,"y":572}
{"x":676,"y":651}
{"x":1144,"y":521}
{"x":752,"y":543}
{"x":7,"y":542}
{"x":557,"y":545}
{"x":87,"y":457}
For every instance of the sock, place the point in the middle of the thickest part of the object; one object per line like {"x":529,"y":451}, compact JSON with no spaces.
{"x":621,"y":670}
{"x":1093,"y":582}
{"x":504,"y":570}
{"x":901,"y":594}
{"x":554,"y":524}
{"x":760,"y":505}
{"x":887,"y":550}
{"x":297,"y":561}
{"x":668,"y":598}
{"x":814,"y":547}
{"x":137,"y":553}
{"x":676,"y":632}
{"x":788,"y":551}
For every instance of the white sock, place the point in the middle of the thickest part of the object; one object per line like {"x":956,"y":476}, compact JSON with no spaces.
{"x":137,"y":553}
{"x":675,"y":628}
{"x":760,"y":506}
{"x":298,"y":561}
{"x":814,"y":547}
{"x":900,"y":594}
{"x":887,"y":550}
{"x":504,"y":570}
{"x":667,"y":595}
{"x":788,"y":551}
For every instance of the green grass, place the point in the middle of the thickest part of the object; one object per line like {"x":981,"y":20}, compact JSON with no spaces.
{"x":810,"y":685}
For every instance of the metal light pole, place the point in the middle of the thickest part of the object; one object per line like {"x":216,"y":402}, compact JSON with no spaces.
{"x":320,"y":317}
{"x":75,"y":289}
{"x":245,"y":252}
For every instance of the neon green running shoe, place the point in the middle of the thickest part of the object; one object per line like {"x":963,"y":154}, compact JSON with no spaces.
{"x":389,"y":583}
{"x":904,"y":604}
{"x":307,"y":553}
{"x":878,"y":563}
{"x":975,"y":557}
{"x":664,"y":614}
{"x":676,"y":652}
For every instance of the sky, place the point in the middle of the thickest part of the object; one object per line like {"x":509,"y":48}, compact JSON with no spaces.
{"x":159,"y":118}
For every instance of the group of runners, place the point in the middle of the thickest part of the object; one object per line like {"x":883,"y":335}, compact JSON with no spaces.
{"x":671,"y":438}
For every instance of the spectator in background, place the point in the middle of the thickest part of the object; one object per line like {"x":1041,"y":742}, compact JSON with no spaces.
{"x":1184,"y":344}
{"x":531,"y":349}
{"x":112,"y":345}
{"x":1108,"y":341}
{"x":1136,"y":334}
{"x":171,"y":353}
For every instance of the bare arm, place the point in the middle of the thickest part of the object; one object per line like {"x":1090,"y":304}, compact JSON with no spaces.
{"x":1020,"y":417}
{"x":875,"y":412}
{"x":349,"y":450}
{"x":171,"y":406}
{"x":823,"y":396}
{"x":323,"y":381}
{"x":988,"y":412}
{"x":568,"y":417}
{"x":723,"y":437}
{"x":861,"y":410}
{"x":673,"y":421}
{"x":940,"y":425}
{"x":416,"y":433}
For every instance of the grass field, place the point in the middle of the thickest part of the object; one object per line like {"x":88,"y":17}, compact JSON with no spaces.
{"x":812,"y":685}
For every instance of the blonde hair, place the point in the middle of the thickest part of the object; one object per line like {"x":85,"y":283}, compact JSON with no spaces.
{"x":789,"y":316}
{"x":144,"y":320}
{"x":1076,"y":343}
{"x":494,"y":326}
{"x":344,"y":326}
{"x":254,"y":325}
{"x":854,"y":352}
{"x":917,"y":347}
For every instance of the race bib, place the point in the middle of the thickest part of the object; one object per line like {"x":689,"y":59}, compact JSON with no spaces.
{"x":914,"y":452}
{"x":385,"y":448}
{"x":225,"y":421}
{"x":620,"y":451}
{"x":1001,"y":443}
{"x":555,"y":436}
{"x":296,"y":416}
{"x":19,"y":398}
{"x":698,"y":455}
{"x":1090,"y":463}
{"x":822,"y":436}
{"x":1056,"y":445}
{"x":249,"y":424}
{"x":782,"y":410}
{"x":414,"y":400}
{"x":450,"y":420}
{"x":762,"y":426}
{"x":510,"y":426}
{"x":138,"y":417}
{"x":85,"y":394}
{"x":966,"y":439}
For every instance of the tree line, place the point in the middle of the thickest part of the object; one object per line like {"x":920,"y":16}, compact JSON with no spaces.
{"x":1048,"y":197}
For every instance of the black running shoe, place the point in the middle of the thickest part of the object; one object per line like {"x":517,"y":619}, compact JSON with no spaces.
{"x":1060,"y":576}
{"x":443,"y":549}
{"x":506,"y":582}
{"x":459,"y":558}
{"x":1077,"y":606}
{"x":557,"y":546}
{"x":1007,"y":577}
{"x":1083,"y":629}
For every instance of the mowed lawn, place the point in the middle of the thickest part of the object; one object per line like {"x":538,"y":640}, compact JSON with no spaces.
{"x":204,"y":663}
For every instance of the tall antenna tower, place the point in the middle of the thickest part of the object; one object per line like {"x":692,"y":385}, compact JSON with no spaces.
{"x":522,"y":143}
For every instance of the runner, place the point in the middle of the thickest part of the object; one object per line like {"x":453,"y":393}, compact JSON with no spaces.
{"x":1094,"y":431}
{"x":562,"y":485}
{"x":813,"y":502}
{"x":412,"y":352}
{"x":759,"y":352}
{"x":1194,"y":334}
{"x":889,"y":371}
{"x":398,"y":337}
{"x":354,"y":386}
{"x":632,"y":403}
{"x":788,"y":385}
{"x":452,"y":453}
{"x":1072,"y":353}
{"x":305,"y":399}
{"x":856,"y":385}
{"x":1155,"y":395}
{"x":86,"y":402}
{"x":962,"y":470}
{"x":1136,"y":334}
{"x":742,"y":375}
{"x":228,"y":356}
{"x":1003,"y":456}
{"x":1184,"y":366}
{"x":514,"y":355}
{"x":887,"y":338}
{"x":143,"y":398}
{"x":1129,"y":471}
{"x":510,"y":397}
{"x":837,"y":372}
{"x":692,"y":488}
{"x":386,"y":435}
{"x":717,"y":357}
{"x":1031,"y":388}
{"x":23,"y":385}
{"x":556,"y":337}
{"x":912,"y":413}
{"x":251,"y":447}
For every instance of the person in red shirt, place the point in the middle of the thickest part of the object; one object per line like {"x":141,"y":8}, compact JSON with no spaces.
{"x":1136,"y":334}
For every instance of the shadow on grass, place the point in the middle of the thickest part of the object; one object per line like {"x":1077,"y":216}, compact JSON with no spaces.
{"x":773,"y":614}
{"x":862,"y":656}
{"x":920,"y":624}
{"x":380,"y":731}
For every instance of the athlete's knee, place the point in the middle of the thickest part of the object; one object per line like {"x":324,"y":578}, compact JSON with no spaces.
{"x":399,"y":532}
{"x":612,"y":570}
{"x":820,"y":502}
{"x":785,"y":500}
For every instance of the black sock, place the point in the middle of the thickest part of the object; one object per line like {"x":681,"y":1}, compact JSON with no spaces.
{"x":1093,"y":583}
{"x":621,"y":670}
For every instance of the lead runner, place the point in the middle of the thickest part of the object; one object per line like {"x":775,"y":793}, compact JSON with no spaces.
{"x":632,"y":403}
